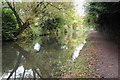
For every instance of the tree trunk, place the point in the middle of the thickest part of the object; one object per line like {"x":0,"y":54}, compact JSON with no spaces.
{"x":23,"y":26}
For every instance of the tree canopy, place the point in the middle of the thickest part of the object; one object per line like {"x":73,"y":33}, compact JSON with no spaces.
{"x":103,"y":16}
{"x":32,"y":17}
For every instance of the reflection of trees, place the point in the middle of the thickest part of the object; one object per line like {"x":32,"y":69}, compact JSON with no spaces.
{"x":29,"y":58}
{"x":11,"y":57}
{"x":16,"y":66}
{"x":51,"y":41}
{"x":46,"y":62}
{"x":33,"y":60}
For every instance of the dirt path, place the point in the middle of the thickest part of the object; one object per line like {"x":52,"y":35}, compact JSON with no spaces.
{"x":102,"y":55}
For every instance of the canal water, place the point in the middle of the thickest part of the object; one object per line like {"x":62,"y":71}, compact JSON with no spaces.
{"x":20,"y":60}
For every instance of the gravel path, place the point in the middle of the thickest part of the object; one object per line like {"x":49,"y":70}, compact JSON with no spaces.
{"x":102,"y":52}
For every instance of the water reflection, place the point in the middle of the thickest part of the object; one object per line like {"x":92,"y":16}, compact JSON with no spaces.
{"x":20,"y":60}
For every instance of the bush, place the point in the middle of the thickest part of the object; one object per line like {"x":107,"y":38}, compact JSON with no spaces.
{"x":9,"y":24}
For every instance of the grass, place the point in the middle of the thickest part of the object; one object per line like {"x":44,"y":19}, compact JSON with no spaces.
{"x":82,"y":67}
{"x":73,"y":69}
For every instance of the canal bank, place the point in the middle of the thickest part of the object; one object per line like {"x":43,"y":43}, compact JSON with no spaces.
{"x":98,"y":58}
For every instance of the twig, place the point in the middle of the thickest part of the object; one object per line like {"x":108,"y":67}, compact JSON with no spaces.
{"x":34,"y":74}
{"x":38,"y":73}
{"x":16,"y":66}
{"x":23,"y":74}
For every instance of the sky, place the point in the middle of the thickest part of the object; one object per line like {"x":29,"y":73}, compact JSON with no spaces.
{"x":79,"y":9}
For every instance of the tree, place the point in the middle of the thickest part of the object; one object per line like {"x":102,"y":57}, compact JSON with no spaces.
{"x":29,"y":13}
{"x":105,"y":16}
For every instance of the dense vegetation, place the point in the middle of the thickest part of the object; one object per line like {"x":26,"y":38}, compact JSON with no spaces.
{"x":9,"y":23}
{"x":104,"y":16}
{"x":29,"y":20}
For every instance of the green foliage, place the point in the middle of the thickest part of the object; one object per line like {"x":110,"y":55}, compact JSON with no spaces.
{"x":27,"y":33}
{"x":50,"y":17}
{"x":45,"y":18}
{"x":52,"y":24}
{"x":9,"y":24}
{"x":103,"y":17}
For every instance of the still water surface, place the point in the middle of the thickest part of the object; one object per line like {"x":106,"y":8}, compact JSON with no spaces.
{"x":20,"y":60}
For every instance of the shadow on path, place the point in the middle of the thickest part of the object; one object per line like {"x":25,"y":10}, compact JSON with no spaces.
{"x":104,"y":53}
